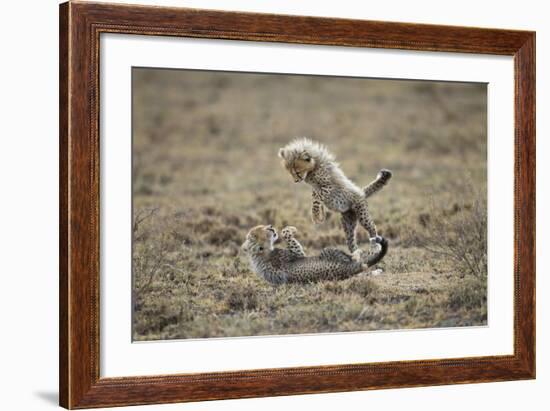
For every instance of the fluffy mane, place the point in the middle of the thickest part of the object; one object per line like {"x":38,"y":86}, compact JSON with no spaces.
{"x":297,"y":146}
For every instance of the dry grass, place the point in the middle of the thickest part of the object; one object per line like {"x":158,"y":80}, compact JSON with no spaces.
{"x":206,"y":170}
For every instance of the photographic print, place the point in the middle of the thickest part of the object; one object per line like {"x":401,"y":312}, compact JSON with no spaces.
{"x":232,"y":184}
{"x":276,"y":204}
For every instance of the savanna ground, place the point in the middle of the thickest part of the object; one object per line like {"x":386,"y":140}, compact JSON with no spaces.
{"x":205,"y":170}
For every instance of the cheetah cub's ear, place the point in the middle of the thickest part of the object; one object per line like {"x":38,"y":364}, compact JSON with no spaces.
{"x":282,"y":153}
{"x":245,"y":246}
{"x":248,"y":243}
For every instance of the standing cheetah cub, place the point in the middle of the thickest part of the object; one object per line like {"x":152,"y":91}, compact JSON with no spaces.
{"x":311,"y":162}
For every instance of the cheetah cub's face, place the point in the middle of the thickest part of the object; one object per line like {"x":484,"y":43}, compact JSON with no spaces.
{"x":298,"y":164}
{"x":260,"y":240}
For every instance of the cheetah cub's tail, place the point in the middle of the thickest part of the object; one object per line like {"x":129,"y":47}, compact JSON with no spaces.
{"x":375,"y":258}
{"x":381,"y":180}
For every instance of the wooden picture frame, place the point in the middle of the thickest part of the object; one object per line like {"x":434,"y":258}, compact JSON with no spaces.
{"x":80,"y":27}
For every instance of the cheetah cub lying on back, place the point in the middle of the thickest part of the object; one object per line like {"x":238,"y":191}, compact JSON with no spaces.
{"x":291,"y":265}
{"x":311,"y":162}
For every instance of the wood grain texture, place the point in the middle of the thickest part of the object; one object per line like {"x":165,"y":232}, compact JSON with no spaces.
{"x":525,"y":202}
{"x":80,"y":27}
{"x":63,"y":205}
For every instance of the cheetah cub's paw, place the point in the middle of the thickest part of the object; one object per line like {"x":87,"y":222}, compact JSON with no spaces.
{"x":319,"y":216}
{"x":289,"y":231}
{"x":375,"y":242}
{"x":357,"y":255}
{"x":384,"y":174}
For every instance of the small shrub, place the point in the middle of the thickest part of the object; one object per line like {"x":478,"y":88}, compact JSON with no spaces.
{"x":148,"y":262}
{"x":459,"y":235}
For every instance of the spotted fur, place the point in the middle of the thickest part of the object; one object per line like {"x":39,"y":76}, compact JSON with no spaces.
{"x":291,"y":265}
{"x":312,"y":163}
